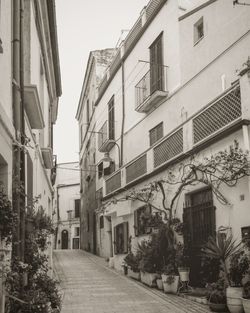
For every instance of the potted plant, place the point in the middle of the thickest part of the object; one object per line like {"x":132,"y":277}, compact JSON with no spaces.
{"x":182,"y":261}
{"x":132,"y":262}
{"x":170,"y":279}
{"x":227,"y":251}
{"x":239,"y":265}
{"x":246,"y":297}
{"x":149,"y":262}
{"x":217,"y":296}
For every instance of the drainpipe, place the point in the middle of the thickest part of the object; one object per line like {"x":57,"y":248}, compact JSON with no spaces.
{"x":123,"y":115}
{"x":18,"y":120}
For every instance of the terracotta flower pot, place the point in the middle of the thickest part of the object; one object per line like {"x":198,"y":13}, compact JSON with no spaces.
{"x":234,"y":299}
{"x":218,"y":307}
{"x":246,"y":305}
{"x":184,"y":273}
{"x":149,"y":279}
{"x":134,"y":275}
{"x":170,"y":283}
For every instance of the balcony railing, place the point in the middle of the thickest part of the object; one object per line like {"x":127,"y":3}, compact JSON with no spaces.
{"x":215,"y":119}
{"x":105,"y":138}
{"x":151,"y":89}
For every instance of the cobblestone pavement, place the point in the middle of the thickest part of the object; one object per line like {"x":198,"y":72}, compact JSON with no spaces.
{"x":89,"y":286}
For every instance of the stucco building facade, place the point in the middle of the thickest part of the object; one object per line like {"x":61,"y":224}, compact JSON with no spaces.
{"x":66,"y":206}
{"x":177,"y":89}
{"x":30,"y":87}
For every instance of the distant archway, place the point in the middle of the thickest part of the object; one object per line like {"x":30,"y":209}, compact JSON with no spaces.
{"x":65,"y":239}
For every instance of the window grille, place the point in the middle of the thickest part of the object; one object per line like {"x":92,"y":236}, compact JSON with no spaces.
{"x":113,"y":183}
{"x":169,"y":148}
{"x":136,"y":169}
{"x":155,"y":134}
{"x":221,"y":113}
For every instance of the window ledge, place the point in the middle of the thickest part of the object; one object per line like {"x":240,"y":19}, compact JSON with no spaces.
{"x":196,"y":43}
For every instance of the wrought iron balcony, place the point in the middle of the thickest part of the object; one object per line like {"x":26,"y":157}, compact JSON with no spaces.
{"x":151,"y":89}
{"x":106,"y":137}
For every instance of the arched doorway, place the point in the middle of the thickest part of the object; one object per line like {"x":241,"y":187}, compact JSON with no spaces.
{"x":65,"y":238}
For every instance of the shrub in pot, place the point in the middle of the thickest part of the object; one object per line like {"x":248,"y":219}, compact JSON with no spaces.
{"x":246,"y":297}
{"x":217,"y":296}
{"x":239,"y":265}
{"x":170,"y":279}
{"x":131,"y":261}
{"x":149,"y":262}
{"x":182,"y":261}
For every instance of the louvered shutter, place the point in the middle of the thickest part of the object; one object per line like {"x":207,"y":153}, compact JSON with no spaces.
{"x":125,"y":237}
{"x":115,"y":244}
{"x":136,"y":222}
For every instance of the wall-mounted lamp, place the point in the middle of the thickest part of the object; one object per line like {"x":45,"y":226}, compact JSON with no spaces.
{"x":107,"y":157}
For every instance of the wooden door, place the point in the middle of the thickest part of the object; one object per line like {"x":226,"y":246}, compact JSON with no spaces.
{"x":65,"y":239}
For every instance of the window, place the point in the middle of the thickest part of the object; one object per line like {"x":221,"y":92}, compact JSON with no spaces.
{"x":140,"y":220}
{"x":198,"y":30}
{"x":87,"y":111}
{"x":88,"y":222}
{"x":121,"y":236}
{"x":100,"y":170}
{"x":77,"y":231}
{"x":156,"y":65}
{"x":77,"y":208}
{"x":111,"y":118}
{"x":155,"y":134}
{"x":101,"y":222}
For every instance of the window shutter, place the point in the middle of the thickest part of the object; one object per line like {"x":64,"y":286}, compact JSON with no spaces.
{"x":125,"y":237}
{"x":115,"y":246}
{"x":136,"y":222}
{"x":29,"y":182}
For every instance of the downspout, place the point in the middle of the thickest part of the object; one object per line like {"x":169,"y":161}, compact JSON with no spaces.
{"x":18,"y":120}
{"x":123,"y":116}
{"x":23,"y":167}
{"x":17,"y":123}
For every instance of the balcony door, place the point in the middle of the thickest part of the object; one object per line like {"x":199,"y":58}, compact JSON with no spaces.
{"x":156,"y":65}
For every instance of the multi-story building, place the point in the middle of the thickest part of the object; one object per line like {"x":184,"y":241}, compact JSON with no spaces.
{"x":177,"y":90}
{"x":66,"y":207}
{"x":29,"y":90}
{"x":97,"y":64}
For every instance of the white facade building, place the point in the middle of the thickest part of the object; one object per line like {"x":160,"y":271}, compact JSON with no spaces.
{"x":67,"y":206}
{"x":177,"y":88}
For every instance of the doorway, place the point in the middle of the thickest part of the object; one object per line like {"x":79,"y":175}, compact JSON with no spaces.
{"x":199,"y":225}
{"x":65,"y":239}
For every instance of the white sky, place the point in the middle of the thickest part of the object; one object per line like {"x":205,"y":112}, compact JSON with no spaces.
{"x":84,"y":25}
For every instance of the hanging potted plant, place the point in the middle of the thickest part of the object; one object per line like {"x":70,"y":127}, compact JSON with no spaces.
{"x":246,"y":297}
{"x":170,"y":279}
{"x":217,"y":296}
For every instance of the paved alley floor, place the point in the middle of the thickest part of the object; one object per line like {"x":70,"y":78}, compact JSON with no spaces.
{"x":89,"y":286}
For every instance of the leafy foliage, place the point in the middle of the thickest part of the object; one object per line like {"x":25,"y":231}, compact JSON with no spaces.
{"x":217,"y":292}
{"x":8,"y":218}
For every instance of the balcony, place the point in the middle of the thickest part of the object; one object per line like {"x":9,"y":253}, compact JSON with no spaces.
{"x":217,"y":119}
{"x":47,"y":157}
{"x":106,"y":138}
{"x":151,"y":89}
{"x":33,"y":107}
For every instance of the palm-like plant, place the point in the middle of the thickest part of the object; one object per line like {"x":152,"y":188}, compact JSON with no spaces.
{"x":222,"y":249}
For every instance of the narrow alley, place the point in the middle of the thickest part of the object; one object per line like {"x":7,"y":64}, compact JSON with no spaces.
{"x":89,"y":286}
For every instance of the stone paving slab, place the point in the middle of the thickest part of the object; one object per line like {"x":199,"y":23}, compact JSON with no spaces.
{"x":89,"y":286}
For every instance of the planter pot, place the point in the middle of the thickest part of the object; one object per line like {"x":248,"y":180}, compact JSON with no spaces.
{"x":246,"y":305}
{"x":184,"y":273}
{"x":149,"y":279}
{"x":134,"y":275}
{"x":170,"y":287}
{"x":159,"y":283}
{"x":234,"y":299}
{"x":218,"y":307}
